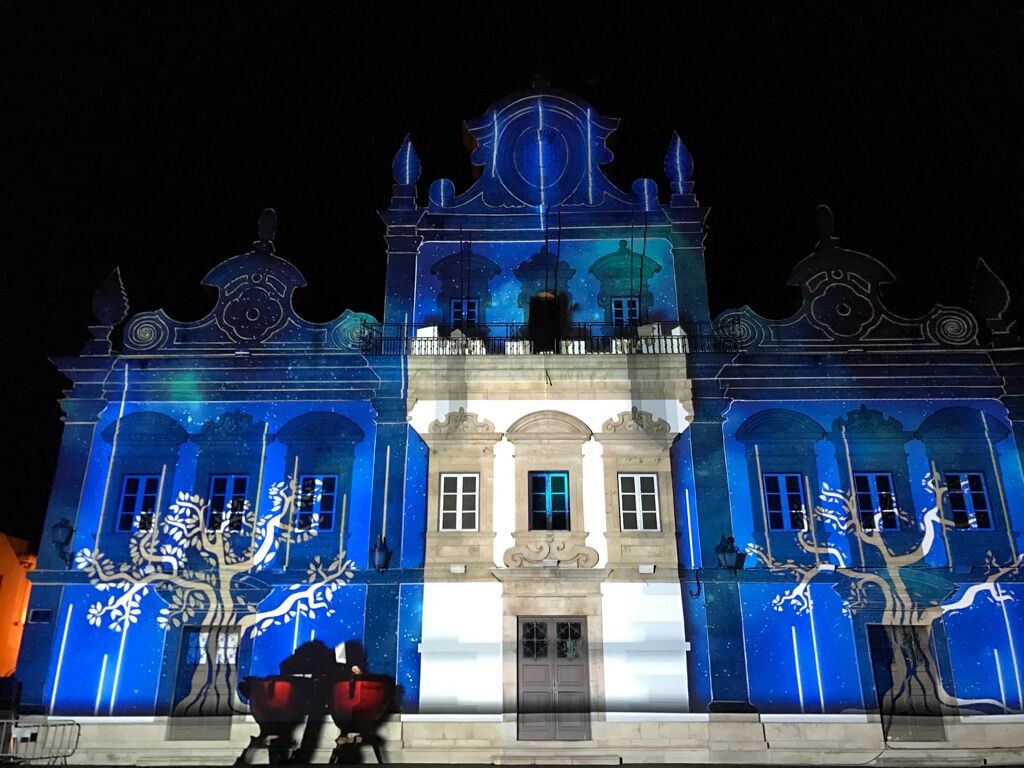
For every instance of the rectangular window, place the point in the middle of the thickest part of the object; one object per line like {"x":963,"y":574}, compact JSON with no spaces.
{"x":318,"y":500}
{"x":199,"y":648}
{"x":465,"y":312}
{"x":968,"y":500}
{"x":549,"y":501}
{"x":227,"y":502}
{"x":876,"y":500}
{"x":784,"y":501}
{"x":138,"y":502}
{"x":460,"y":494}
{"x":638,"y":502}
{"x":625,"y":310}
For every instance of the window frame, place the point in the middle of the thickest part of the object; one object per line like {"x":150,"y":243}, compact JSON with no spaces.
{"x":304,"y":517}
{"x":969,"y":510}
{"x":466,"y":305}
{"x":875,"y":495}
{"x":233,"y":520}
{"x":787,"y":512}
{"x":127,"y":522}
{"x":630,"y":311}
{"x":638,"y":493}
{"x":459,"y":495}
{"x":549,"y":494}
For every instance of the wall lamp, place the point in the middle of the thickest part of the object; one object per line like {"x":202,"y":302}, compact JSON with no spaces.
{"x":728,"y":556}
{"x":61,"y":534}
{"x":381,"y":554}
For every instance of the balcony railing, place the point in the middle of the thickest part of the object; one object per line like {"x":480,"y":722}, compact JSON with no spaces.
{"x":664,"y":337}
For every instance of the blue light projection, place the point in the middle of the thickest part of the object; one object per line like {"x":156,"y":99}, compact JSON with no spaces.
{"x":589,"y":298}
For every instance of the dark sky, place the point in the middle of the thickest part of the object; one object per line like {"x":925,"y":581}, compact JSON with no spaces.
{"x":150,"y":136}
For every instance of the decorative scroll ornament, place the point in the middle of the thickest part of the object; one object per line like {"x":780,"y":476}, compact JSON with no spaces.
{"x":843,"y":306}
{"x":559,"y":550}
{"x":461,"y":422}
{"x":635,"y":422}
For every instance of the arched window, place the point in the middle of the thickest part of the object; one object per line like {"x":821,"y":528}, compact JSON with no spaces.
{"x":783,"y":476}
{"x":145,"y":449}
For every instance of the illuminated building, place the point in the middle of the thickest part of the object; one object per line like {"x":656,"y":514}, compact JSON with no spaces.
{"x":560,"y":483}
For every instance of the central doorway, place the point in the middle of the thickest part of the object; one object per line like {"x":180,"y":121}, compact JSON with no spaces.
{"x":554,"y":684}
{"x":907,"y":682}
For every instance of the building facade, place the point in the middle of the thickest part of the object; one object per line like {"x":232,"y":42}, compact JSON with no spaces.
{"x":572,"y":515}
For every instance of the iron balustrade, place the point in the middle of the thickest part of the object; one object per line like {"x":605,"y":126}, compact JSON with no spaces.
{"x":662,"y":337}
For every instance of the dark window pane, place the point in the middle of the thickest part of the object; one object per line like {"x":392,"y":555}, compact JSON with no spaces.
{"x":649,"y":502}
{"x":775,"y":521}
{"x":629,"y":503}
{"x":793,"y":484}
{"x":862,"y":483}
{"x":468,"y":502}
{"x":538,"y":483}
{"x":771,"y":483}
{"x":626,"y":484}
{"x":469,"y":484}
{"x":448,"y":503}
{"x":240,"y":484}
{"x":558,"y":502}
{"x":220,"y":484}
{"x":448,"y":521}
{"x":559,"y":521}
{"x":558,"y":483}
{"x":326,"y":521}
{"x":468,"y":520}
{"x":650,"y":521}
{"x":450,"y":484}
{"x":647,"y":483}
{"x":539,"y":521}
{"x":629,"y":521}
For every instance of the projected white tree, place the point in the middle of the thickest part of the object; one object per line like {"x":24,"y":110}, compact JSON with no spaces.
{"x":201,"y":573}
{"x":915,"y":672}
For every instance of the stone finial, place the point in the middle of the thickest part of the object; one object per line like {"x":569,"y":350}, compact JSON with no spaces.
{"x":990,"y":299}
{"x":405,"y":168}
{"x":636,"y":421}
{"x":266,"y":229}
{"x":825,"y":223}
{"x":110,"y":302}
{"x":678,"y":165}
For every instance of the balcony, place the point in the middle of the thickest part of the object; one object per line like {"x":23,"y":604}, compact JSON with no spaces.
{"x":665,"y":337}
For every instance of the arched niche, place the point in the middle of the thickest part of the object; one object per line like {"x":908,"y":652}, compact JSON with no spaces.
{"x":780,"y":441}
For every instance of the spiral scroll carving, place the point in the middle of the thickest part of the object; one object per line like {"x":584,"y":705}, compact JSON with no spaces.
{"x":953,"y":326}
{"x":146,"y":332}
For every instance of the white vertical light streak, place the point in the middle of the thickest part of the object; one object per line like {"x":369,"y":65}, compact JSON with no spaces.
{"x":689,"y":527}
{"x":295,"y":634}
{"x":1013,"y":650}
{"x":999,"y":677}
{"x":60,"y":658}
{"x":117,"y":668}
{"x":99,"y":687}
{"x":387,"y":478}
{"x":590,"y":164}
{"x":540,"y":149}
{"x":814,"y":646}
{"x":494,"y":143}
{"x":796,"y":660}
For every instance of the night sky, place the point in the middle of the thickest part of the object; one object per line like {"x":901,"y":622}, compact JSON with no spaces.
{"x":151,"y":135}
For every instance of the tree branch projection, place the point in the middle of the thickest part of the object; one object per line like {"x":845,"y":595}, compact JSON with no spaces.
{"x":911,"y":666}
{"x":200,"y":574}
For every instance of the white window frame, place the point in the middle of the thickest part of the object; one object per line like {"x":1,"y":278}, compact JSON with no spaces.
{"x":639,"y":511}
{"x":459,"y":493}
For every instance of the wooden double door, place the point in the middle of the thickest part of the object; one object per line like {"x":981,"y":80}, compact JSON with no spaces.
{"x":554,"y":680}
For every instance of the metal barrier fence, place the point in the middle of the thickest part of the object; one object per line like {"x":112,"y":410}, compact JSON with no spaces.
{"x":575,"y":339}
{"x":48,"y":741}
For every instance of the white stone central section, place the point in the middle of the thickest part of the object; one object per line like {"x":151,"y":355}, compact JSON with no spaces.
{"x":594,"y":519}
{"x":503,"y":413}
{"x":504,"y":508}
{"x":644,"y":648}
{"x":460,"y":656}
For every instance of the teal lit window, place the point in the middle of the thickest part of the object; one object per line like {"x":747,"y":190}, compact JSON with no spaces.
{"x":876,"y":500}
{"x":138,"y":502}
{"x":968,"y":500}
{"x":784,"y":501}
{"x":318,"y":499}
{"x":227,"y":502}
{"x":549,"y":501}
